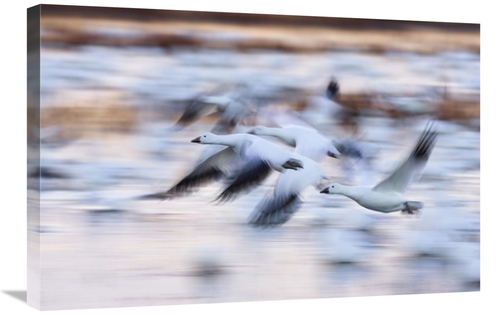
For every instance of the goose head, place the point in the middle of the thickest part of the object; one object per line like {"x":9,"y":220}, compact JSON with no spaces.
{"x":205,"y":138}
{"x":333,"y":188}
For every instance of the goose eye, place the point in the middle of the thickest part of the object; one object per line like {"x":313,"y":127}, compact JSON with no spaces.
{"x":204,"y":136}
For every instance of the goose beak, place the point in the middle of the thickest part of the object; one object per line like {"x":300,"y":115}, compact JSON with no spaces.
{"x":325,"y":190}
{"x":196,"y":140}
{"x":252,"y":131}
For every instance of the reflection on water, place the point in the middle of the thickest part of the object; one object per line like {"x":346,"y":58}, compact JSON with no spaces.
{"x":102,"y":246}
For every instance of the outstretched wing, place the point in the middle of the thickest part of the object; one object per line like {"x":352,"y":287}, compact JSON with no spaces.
{"x":276,"y":210}
{"x":211,"y":169}
{"x":286,"y":196}
{"x":203,"y":106}
{"x":412,"y":168}
{"x":225,"y":124}
{"x":234,"y":112}
{"x":253,"y":173}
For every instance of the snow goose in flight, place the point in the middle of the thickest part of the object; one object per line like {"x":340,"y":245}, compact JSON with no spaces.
{"x":231,"y":110}
{"x":285,"y":201}
{"x":248,"y":160}
{"x":311,"y":143}
{"x":307,"y":141}
{"x":387,"y":196}
{"x":294,"y":131}
{"x":310,"y":146}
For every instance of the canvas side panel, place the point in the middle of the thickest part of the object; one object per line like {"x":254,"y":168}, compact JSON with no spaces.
{"x":33,"y":142}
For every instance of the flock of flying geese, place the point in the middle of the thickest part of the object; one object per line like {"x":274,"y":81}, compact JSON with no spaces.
{"x":244,"y":160}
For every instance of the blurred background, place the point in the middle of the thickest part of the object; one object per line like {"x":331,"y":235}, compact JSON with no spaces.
{"x":115,"y":81}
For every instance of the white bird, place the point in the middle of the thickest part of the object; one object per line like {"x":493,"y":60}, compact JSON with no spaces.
{"x":247,"y":161}
{"x":285,"y":201}
{"x":388,"y":196}
{"x":312,"y":146}
{"x":231,"y":110}
{"x":307,"y":141}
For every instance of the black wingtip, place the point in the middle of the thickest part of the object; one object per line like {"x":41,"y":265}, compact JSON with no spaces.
{"x":155,"y":196}
{"x":225,"y":197}
{"x":426,"y":142}
{"x":333,"y":88}
{"x":251,"y":177}
{"x":275,"y":212}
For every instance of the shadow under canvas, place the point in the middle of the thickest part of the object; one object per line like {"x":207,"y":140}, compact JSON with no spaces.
{"x":20,"y":295}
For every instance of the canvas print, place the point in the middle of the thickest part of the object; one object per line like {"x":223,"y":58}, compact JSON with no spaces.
{"x":179,"y":157}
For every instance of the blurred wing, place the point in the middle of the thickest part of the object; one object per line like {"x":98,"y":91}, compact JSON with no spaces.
{"x":226,"y":123}
{"x":412,"y":168}
{"x":224,"y":126}
{"x":253,"y":173}
{"x":194,"y":111}
{"x":276,"y":210}
{"x":309,"y":148}
{"x":349,"y":148}
{"x":287,"y":118}
{"x":285,"y":201}
{"x":275,"y":117}
{"x":235,"y":112}
{"x":211,"y":169}
{"x":208,"y":151}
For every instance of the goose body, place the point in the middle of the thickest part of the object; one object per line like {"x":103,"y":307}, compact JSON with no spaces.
{"x":250,"y":147}
{"x":294,"y":131}
{"x":307,"y":141}
{"x":285,"y":200}
{"x":369,"y":198}
{"x":246,"y":162}
{"x":258,"y":157}
{"x":388,"y":195}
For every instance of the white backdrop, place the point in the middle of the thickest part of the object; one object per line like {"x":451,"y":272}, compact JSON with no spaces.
{"x":13,"y":157}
